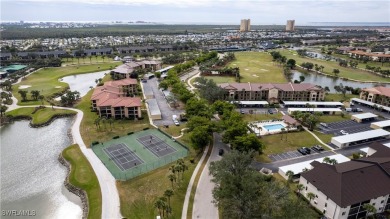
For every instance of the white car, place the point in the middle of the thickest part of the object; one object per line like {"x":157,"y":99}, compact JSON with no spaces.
{"x":344,"y":132}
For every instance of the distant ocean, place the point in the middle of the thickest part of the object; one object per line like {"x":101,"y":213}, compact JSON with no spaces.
{"x":349,"y":24}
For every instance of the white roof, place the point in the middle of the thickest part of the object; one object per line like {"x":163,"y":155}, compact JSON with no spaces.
{"x":365,"y":150}
{"x":153,"y":107}
{"x":251,"y":102}
{"x":315,"y":109}
{"x":387,"y":145}
{"x":365,"y":116}
{"x":361,"y":136}
{"x":312,"y":103}
{"x":299,"y":167}
{"x":165,"y":69}
{"x":382,"y":124}
{"x":148,"y":90}
{"x":370,"y":103}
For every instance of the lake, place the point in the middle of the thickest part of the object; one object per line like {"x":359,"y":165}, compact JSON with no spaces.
{"x":324,"y":81}
{"x":83,"y":82}
{"x":31,"y":176}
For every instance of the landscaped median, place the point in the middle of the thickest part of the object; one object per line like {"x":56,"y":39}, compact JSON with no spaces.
{"x":83,"y":177}
{"x":39,"y":116}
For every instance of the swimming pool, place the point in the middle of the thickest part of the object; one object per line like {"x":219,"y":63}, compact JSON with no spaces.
{"x":273,"y":127}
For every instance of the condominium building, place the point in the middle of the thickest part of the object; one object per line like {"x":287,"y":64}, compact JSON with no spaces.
{"x":116,"y":99}
{"x":378,"y":95}
{"x":342,"y":190}
{"x":273,"y":93}
{"x":125,"y":70}
{"x":245,"y":25}
{"x":290,"y":26}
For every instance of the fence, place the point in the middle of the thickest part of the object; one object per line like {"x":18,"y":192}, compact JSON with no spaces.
{"x":145,"y":167}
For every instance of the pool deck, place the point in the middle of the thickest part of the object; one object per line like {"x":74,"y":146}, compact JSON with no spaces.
{"x":258,"y":127}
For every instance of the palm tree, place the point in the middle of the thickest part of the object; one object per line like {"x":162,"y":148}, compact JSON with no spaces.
{"x":326,"y":160}
{"x":159,"y":205}
{"x":168,"y":193}
{"x":300,"y":187}
{"x":103,"y":57}
{"x":290,"y":175}
{"x":310,"y":196}
{"x":23,"y":93}
{"x":369,"y":208}
{"x":172,"y":177}
{"x":41,"y":98}
{"x":332,"y":161}
{"x":282,"y":130}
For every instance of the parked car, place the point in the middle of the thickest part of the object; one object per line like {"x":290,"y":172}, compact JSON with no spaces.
{"x":307,"y":150}
{"x":270,"y":111}
{"x":348,"y":109}
{"x":302,"y":151}
{"x":317,"y":148}
{"x":242,"y":111}
{"x":359,"y":110}
{"x":323,"y":124}
{"x":220,"y":152}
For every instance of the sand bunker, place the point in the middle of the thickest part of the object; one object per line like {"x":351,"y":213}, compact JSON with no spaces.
{"x":263,"y":69}
{"x":57,"y":86}
{"x":234,"y":64}
{"x":24,"y":86}
{"x":246,"y":69}
{"x":255,"y":76}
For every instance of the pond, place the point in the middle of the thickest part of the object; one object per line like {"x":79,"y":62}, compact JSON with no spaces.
{"x":31,"y":176}
{"x":324,"y":81}
{"x":83,"y":82}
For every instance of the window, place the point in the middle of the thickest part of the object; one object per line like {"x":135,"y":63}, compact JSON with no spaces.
{"x":316,"y":196}
{"x":326,"y":204}
{"x":343,"y":213}
{"x":306,"y":187}
{"x":382,"y":201}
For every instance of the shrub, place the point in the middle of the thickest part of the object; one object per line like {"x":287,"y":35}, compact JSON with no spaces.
{"x":146,"y":128}
{"x":115,"y":137}
{"x":130,"y":133}
{"x":95,"y":142}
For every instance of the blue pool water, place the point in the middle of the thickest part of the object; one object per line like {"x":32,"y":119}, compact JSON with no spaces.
{"x":273,"y":127}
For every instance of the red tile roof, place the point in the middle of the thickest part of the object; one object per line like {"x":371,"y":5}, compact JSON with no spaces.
{"x":358,"y":52}
{"x":379,"y":90}
{"x":259,"y":86}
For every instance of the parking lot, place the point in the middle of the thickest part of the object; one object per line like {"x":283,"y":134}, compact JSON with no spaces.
{"x":348,"y":126}
{"x":290,"y":155}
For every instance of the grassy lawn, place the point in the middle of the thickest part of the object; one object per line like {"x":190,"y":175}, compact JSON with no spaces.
{"x":259,"y":117}
{"x":274,"y":144}
{"x":89,"y":131}
{"x":254,"y":67}
{"x":345,"y":72}
{"x":339,"y":97}
{"x":41,"y":116}
{"x":173,"y":129}
{"x":46,"y":80}
{"x":363,"y":65}
{"x":83,"y":177}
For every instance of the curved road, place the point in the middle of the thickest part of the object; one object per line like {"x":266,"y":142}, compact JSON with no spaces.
{"x":203,"y":206}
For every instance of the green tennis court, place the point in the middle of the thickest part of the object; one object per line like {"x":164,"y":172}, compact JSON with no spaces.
{"x":124,"y":166}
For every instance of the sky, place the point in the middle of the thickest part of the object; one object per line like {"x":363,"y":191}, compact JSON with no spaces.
{"x":197,"y":11}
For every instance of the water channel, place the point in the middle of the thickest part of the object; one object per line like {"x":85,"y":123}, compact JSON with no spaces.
{"x":31,"y":176}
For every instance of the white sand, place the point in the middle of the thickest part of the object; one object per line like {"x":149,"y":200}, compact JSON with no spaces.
{"x":57,"y":86}
{"x":255,"y":76}
{"x":246,"y":69}
{"x":24,"y":86}
{"x":263,"y":69}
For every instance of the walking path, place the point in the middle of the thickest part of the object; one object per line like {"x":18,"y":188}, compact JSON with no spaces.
{"x":190,"y":184}
{"x":203,"y":200}
{"x":316,"y":137}
{"x":181,"y":133}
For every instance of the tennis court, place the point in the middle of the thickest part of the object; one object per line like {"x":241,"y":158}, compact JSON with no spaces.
{"x":136,"y":153}
{"x":155,"y":145}
{"x":123,"y":157}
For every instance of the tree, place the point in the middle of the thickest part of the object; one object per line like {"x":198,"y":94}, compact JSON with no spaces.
{"x":248,"y":142}
{"x":300,"y":187}
{"x":157,"y":74}
{"x":336,"y":72}
{"x":23,"y":94}
{"x":291,"y":63}
{"x":326,"y":160}
{"x":159,"y":204}
{"x":209,"y":90}
{"x":197,"y":107}
{"x":35,"y":94}
{"x":220,"y":107}
{"x":290,"y":175}
{"x":41,"y":98}
{"x":3,"y":108}
{"x":200,"y":137}
{"x":168,"y":193}
{"x":369,"y":208}
{"x":172,"y":178}
{"x":310,"y":196}
{"x":196,"y":121}
{"x":302,"y":78}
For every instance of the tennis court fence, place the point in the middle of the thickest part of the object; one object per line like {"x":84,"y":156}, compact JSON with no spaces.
{"x":147,"y":167}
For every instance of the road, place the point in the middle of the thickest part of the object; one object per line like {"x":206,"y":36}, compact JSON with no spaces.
{"x":203,"y":206}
